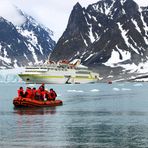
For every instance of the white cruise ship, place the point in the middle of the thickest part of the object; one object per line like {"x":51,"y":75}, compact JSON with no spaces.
{"x":59,"y":73}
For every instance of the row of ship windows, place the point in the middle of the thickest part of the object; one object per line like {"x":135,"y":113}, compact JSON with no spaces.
{"x":51,"y":68}
{"x":48,"y":69}
{"x":59,"y":70}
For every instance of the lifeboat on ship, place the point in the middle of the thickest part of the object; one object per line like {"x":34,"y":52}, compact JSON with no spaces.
{"x":28,"y":102}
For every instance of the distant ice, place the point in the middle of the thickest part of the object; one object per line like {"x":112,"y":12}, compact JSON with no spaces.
{"x":10,"y":75}
{"x":110,"y":76}
{"x":125,"y":89}
{"x":94,"y":90}
{"x":116,"y":89}
{"x":73,"y":90}
{"x":121,"y":84}
{"x":138,"y":84}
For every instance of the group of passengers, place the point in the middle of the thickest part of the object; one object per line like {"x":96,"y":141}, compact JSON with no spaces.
{"x":41,"y":93}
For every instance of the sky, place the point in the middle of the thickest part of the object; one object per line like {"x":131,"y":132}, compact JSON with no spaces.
{"x":53,"y":14}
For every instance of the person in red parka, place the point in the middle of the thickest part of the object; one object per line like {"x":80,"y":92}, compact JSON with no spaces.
{"x":52,"y":94}
{"x":33,"y":92}
{"x":40,"y":93}
{"x":28,"y":93}
{"x":42,"y":87}
{"x":21,"y":92}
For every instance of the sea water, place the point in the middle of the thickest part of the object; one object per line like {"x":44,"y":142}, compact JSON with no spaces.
{"x":92,"y":116}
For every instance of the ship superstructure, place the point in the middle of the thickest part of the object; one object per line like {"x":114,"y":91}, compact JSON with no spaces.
{"x":59,"y":73}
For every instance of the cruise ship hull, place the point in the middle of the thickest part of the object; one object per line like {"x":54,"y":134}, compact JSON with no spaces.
{"x":38,"y":78}
{"x":76,"y":80}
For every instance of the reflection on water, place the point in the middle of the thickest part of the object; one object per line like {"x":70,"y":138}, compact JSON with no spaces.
{"x":88,"y":119}
{"x":35,"y":111}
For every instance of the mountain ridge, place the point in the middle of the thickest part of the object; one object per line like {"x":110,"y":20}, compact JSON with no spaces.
{"x":107,"y":28}
{"x":29,"y":43}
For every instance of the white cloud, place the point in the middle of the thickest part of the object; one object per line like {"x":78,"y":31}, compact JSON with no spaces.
{"x":9,"y":12}
{"x":52,"y":13}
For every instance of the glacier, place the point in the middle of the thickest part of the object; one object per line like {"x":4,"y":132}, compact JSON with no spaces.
{"x":11,"y":75}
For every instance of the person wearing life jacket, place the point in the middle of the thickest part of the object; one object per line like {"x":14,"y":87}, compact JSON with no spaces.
{"x":43,"y":95}
{"x":40,"y":93}
{"x":52,"y":94}
{"x":20,"y":92}
{"x":28,"y":93}
{"x":33,"y":92}
{"x":42,"y":87}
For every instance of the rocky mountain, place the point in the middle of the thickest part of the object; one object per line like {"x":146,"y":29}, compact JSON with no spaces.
{"x":110,"y":33}
{"x":26,"y":44}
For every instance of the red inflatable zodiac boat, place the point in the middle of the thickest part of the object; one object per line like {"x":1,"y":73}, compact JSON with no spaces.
{"x":27,"y":102}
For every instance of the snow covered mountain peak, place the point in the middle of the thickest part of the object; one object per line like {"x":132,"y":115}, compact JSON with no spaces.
{"x":24,"y":44}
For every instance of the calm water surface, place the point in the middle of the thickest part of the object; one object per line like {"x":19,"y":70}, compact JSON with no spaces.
{"x":92,"y":116}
